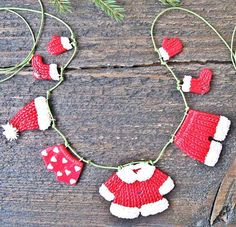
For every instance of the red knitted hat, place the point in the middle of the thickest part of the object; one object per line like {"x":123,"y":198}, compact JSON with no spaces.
{"x":200,"y":85}
{"x":35,"y":115}
{"x":59,"y":160}
{"x":59,"y":45}
{"x":44,"y":71}
{"x":170,"y":48}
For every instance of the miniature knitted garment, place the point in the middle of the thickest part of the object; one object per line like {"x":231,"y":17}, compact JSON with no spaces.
{"x":35,"y":115}
{"x":200,"y":85}
{"x":170,"y":48}
{"x":137,"y":189}
{"x":42,"y":71}
{"x":58,"y":159}
{"x":200,"y":134}
{"x":59,"y":45}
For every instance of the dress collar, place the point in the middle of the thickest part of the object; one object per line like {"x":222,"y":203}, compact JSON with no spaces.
{"x":138,"y":172}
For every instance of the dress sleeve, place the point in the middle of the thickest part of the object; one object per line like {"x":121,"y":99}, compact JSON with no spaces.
{"x":110,"y":187}
{"x":164,"y":183}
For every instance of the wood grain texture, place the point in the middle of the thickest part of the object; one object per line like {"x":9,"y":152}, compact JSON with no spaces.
{"x":226,"y":197}
{"x":116,"y":105}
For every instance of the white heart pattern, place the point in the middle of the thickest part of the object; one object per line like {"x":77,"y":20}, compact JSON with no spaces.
{"x":64,"y":161}
{"x":77,"y":168}
{"x":68,"y":172}
{"x":59,"y":173}
{"x":72,"y":181}
{"x":53,"y":159}
{"x":44,"y":153}
{"x":66,"y":167}
{"x":50,"y":166}
{"x":56,"y":150}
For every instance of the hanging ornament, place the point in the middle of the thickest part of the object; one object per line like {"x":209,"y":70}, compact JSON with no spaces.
{"x":59,"y":160}
{"x":44,"y":71}
{"x":200,"y":136}
{"x":35,"y":115}
{"x":200,"y":85}
{"x":137,"y":189}
{"x":170,"y":48}
{"x":59,"y":45}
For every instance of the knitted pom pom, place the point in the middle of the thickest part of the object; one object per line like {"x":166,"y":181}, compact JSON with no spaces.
{"x":137,"y":189}
{"x":35,"y":115}
{"x":59,"y":160}
{"x":44,"y":71}
{"x":10,"y":132}
{"x":200,"y":134}
{"x":200,"y":85}
{"x":170,"y":48}
{"x":59,"y":45}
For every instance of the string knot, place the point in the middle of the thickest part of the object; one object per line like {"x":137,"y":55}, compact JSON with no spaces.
{"x":172,"y":138}
{"x":67,"y":143}
{"x":186,"y":110}
{"x":151,"y":162}
{"x":120,"y":167}
{"x":48,"y":94}
{"x":178,"y":87}
{"x":163,"y":62}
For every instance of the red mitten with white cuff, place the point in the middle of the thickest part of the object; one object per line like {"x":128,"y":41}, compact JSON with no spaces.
{"x":34,"y":116}
{"x":44,"y":71}
{"x":137,"y":189}
{"x":200,"y":85}
{"x":66,"y":167}
{"x":170,"y":48}
{"x":59,"y":45}
{"x":201,"y":134}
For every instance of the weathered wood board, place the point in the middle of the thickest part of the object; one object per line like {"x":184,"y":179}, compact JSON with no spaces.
{"x":116,"y":105}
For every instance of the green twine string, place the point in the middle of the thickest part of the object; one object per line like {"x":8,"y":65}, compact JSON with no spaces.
{"x":13,"y":70}
{"x":229,"y":47}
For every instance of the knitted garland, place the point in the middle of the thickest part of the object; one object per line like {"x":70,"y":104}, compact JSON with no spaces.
{"x":137,"y":187}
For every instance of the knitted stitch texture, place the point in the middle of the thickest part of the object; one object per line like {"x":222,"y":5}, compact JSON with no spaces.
{"x":200,"y":134}
{"x":35,"y":115}
{"x":200,"y":85}
{"x":170,"y":48}
{"x":137,"y":189}
{"x":44,"y":71}
{"x":58,"y":45}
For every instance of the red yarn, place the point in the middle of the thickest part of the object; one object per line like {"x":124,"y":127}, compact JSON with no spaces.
{"x":137,"y":193}
{"x":201,"y":85}
{"x":141,"y":195}
{"x":196,"y":133}
{"x":172,"y":46}
{"x":55,"y":46}
{"x":41,"y":70}
{"x":26,"y":118}
{"x":58,"y":159}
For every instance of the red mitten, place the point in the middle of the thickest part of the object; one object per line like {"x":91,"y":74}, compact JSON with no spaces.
{"x":170,"y":48}
{"x":137,"y":189}
{"x":199,"y":135}
{"x":34,"y":115}
{"x":59,"y":45}
{"x":59,"y":160}
{"x":44,"y":71}
{"x":200,"y":85}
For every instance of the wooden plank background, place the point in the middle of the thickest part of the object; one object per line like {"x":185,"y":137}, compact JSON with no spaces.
{"x":116,"y":105}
